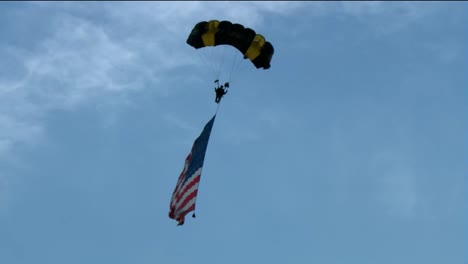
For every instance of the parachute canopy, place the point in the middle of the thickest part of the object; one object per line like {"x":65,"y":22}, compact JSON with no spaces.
{"x":252,"y":45}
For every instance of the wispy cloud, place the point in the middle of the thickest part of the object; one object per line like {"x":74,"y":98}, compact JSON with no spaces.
{"x":80,"y":60}
{"x":77,"y":63}
{"x":84,"y":58}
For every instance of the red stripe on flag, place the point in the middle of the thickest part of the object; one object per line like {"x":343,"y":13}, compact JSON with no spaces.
{"x":192,"y":182}
{"x":188,"y":199}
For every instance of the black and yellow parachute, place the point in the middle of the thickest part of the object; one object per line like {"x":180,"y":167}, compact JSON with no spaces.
{"x":252,"y":45}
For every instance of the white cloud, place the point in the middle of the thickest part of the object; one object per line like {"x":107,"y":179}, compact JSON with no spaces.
{"x":78,"y":59}
{"x":78,"y":62}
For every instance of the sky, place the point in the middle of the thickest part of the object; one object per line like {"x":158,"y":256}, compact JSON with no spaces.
{"x":350,"y":149}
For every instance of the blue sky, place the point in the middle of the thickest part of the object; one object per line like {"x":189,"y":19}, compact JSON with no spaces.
{"x":351,"y":148}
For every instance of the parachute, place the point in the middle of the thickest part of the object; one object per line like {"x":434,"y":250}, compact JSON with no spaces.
{"x":245,"y":40}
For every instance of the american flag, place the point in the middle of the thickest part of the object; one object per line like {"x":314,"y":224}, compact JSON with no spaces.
{"x":185,"y":193}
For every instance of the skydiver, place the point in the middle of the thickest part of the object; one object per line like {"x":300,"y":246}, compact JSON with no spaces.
{"x":220,"y":91}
